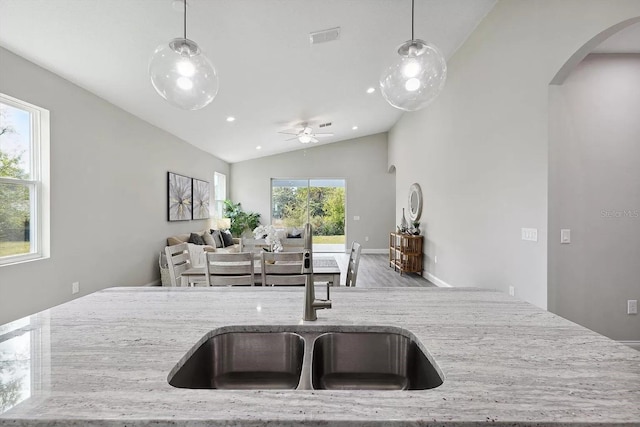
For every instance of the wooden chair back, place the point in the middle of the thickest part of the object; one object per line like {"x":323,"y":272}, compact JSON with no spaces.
{"x":352,"y":267}
{"x":281,"y":268}
{"x":178,"y":260}
{"x":226,"y":269}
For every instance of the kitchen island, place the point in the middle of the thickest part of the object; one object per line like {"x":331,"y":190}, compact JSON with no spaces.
{"x":103,"y":360}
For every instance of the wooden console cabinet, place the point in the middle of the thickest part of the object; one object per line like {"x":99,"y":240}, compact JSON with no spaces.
{"x":405,"y":253}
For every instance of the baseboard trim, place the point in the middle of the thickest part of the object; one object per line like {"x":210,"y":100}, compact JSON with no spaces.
{"x":633,"y":344}
{"x":375,"y":251}
{"x":438,"y":282}
{"x":154,"y":283}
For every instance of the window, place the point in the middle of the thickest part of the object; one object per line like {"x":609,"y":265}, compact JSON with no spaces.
{"x":320,"y":202}
{"x":24,"y":166}
{"x":219,"y":193}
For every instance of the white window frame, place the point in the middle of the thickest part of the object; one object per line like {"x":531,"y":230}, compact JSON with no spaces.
{"x":219,"y":183}
{"x":38,"y":183}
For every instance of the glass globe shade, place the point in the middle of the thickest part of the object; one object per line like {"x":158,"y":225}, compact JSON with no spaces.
{"x":305,"y":139}
{"x":415,"y":78}
{"x":182,"y":75}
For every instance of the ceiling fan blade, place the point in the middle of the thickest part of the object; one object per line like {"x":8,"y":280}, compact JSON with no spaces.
{"x":322,"y":135}
{"x":292,"y":139}
{"x":314,"y":140}
{"x":289,"y":133}
{"x":294,"y":128}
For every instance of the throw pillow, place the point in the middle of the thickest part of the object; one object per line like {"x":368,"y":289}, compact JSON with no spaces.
{"x":208,"y":239}
{"x":217,"y":238}
{"x":196,"y":239}
{"x":173,"y":241}
{"x":227,"y":238}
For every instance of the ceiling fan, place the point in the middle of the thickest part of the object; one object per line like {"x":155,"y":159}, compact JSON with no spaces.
{"x":304,"y":134}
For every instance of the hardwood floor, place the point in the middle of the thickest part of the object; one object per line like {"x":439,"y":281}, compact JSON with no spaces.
{"x":374,"y":272}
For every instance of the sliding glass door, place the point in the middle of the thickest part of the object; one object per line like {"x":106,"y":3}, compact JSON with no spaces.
{"x":320,"y":202}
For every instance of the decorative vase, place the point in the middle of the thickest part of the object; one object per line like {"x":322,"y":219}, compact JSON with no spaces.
{"x":404,"y":225}
{"x":415,"y":230}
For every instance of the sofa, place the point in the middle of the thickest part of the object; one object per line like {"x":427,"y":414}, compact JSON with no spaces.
{"x":196,"y":251}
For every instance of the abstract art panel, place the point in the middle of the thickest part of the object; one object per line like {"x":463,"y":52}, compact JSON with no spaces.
{"x":200,"y":199}
{"x":179,"y":197}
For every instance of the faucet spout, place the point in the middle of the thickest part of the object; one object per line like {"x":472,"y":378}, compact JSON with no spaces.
{"x":311,"y":304}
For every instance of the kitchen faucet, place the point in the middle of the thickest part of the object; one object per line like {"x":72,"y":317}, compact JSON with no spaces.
{"x":311,"y":304}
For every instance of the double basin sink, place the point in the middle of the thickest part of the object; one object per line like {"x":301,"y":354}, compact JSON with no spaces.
{"x":307,"y":358}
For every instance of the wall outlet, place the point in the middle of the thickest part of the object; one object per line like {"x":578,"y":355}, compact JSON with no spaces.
{"x":75,"y":287}
{"x":366,"y":238}
{"x":632,"y":306}
{"x":512,"y":291}
{"x":530,"y":234}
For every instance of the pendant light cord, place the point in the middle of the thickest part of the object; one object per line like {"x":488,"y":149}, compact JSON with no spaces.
{"x":185,"y":19}
{"x":412,"y":19}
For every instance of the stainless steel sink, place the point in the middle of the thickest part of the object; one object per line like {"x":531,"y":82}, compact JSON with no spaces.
{"x":370,"y":361}
{"x":244,"y":360}
{"x":305,"y":358}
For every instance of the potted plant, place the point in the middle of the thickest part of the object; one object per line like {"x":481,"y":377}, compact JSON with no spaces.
{"x":241,"y":221}
{"x":270,"y":236}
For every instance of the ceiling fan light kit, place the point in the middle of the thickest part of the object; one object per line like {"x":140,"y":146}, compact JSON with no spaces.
{"x":304,"y":134}
{"x":417,"y":75}
{"x":182,"y":74}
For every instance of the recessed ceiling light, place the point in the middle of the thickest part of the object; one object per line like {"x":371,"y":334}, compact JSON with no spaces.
{"x":259,"y":147}
{"x":355,"y":128}
{"x":231,"y":119}
{"x":371,"y":90}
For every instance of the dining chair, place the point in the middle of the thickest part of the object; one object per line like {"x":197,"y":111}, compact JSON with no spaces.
{"x":281,"y":268}
{"x":226,"y":269}
{"x":352,"y":267}
{"x":178,"y":260}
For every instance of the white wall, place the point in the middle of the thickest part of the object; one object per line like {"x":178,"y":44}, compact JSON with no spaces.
{"x":108,"y":193}
{"x":362,"y":162}
{"x":480,"y":150}
{"x":594,"y":176}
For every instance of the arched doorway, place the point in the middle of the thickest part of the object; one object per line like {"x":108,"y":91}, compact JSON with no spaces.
{"x":594,"y":170}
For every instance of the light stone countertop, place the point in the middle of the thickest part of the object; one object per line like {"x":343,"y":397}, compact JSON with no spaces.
{"x":103,"y":360}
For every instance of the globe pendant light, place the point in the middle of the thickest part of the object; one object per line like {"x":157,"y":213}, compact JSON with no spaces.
{"x":182,"y":74}
{"x":416,"y":77}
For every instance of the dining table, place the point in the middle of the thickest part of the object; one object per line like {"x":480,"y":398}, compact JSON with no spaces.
{"x":325,"y":269}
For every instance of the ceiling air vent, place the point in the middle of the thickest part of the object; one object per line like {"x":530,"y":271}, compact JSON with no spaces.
{"x":324,"y":125}
{"x":324,"y":36}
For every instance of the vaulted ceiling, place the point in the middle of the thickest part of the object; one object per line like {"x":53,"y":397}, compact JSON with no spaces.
{"x":271,"y":78}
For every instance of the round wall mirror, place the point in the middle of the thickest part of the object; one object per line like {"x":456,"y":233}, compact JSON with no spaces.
{"x":415,"y":202}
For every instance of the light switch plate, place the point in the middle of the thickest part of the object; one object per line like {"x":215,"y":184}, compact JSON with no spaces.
{"x":356,"y":218}
{"x":565,"y":235}
{"x":530,"y":234}
{"x":632,"y":306}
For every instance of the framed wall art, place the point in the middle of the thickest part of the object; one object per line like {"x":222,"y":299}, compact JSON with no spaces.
{"x":200,"y":199}
{"x":179,"y":197}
